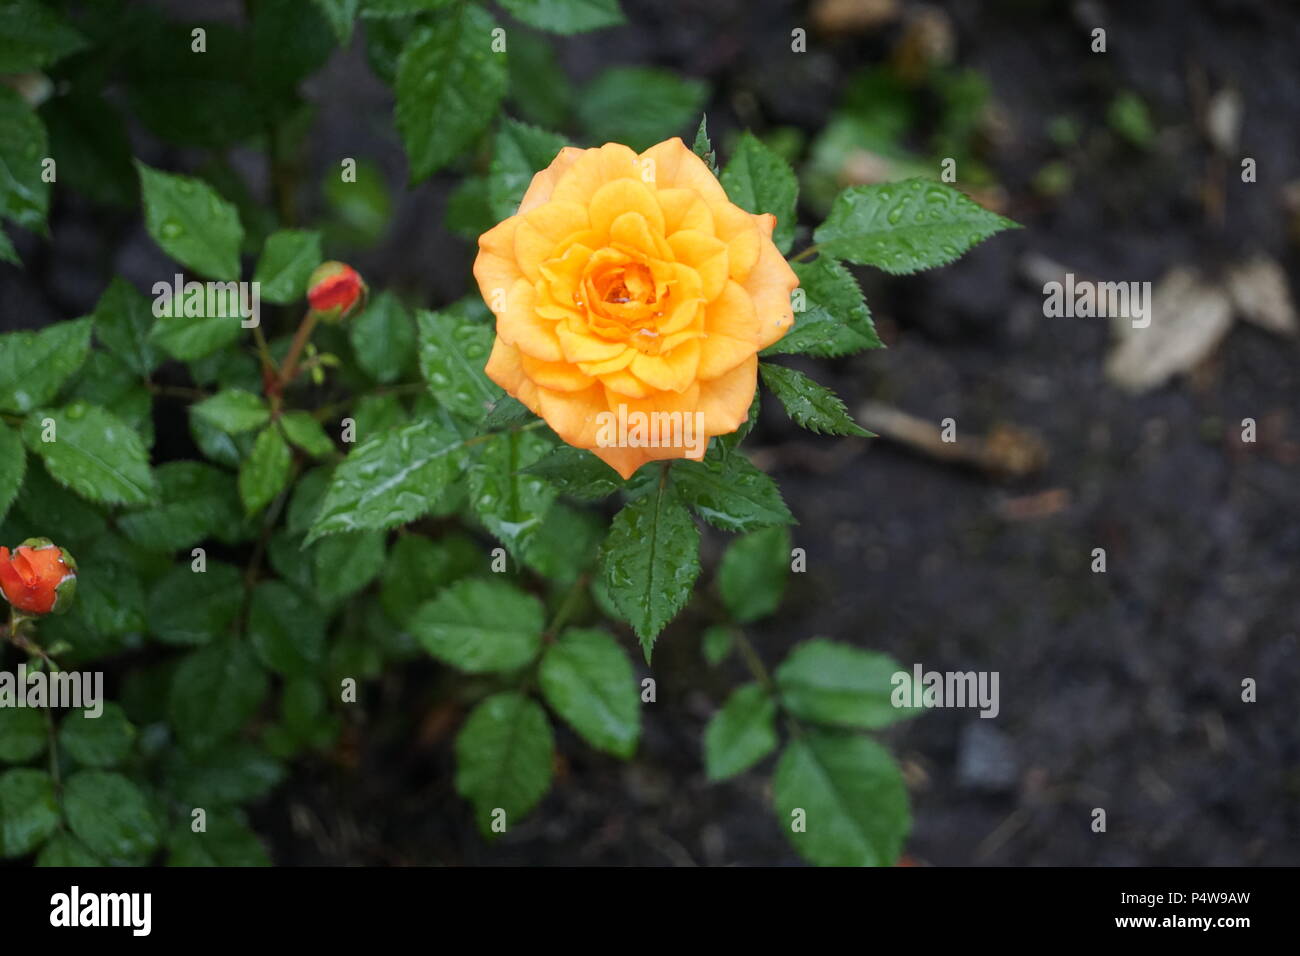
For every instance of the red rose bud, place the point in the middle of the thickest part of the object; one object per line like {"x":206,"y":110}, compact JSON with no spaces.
{"x":336,"y":291}
{"x":39,"y":577}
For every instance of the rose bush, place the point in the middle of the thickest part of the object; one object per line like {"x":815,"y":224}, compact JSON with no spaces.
{"x":361,"y":483}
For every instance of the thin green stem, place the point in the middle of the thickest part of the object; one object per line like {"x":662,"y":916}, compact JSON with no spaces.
{"x":566,"y":608}
{"x":811,"y":250}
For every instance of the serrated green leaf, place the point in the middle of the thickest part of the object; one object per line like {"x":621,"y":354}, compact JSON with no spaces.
{"x":850,"y":796}
{"x":286,"y":630}
{"x":287,"y":261}
{"x":639,"y":106}
{"x":504,"y":756}
{"x":759,"y":181}
{"x":703,"y":146}
{"x":392,"y":479}
{"x":35,"y":365}
{"x":418,"y":567}
{"x":400,"y":8}
{"x":13,"y":468}
{"x":233,"y":410}
{"x":566,"y":545}
{"x":479,"y":625}
{"x":192,"y":223}
{"x":730,"y":493}
{"x":195,"y":501}
{"x":226,"y":840}
{"x":64,"y":850}
{"x":214,"y":691}
{"x":227,"y":775}
{"x":383,"y":338}
{"x":34,"y":37}
{"x":345,"y":564}
{"x":519,"y":152}
{"x":193,"y":337}
{"x":830,"y":683}
{"x":587,"y":679}
{"x":94,"y":453}
{"x":105,"y":380}
{"x":650,"y":561}
{"x":190,"y":607}
{"x":29,"y":812}
{"x":511,"y":502}
{"x":453,"y":352}
{"x":24,"y":147}
{"x":540,"y":89}
{"x":111,"y":816}
{"x":102,"y":742}
{"x":506,"y":413}
{"x":22,"y":734}
{"x":449,"y":84}
{"x":578,"y":473}
{"x":123,"y":320}
{"x":905,"y":227}
{"x":741,"y":733}
{"x":810,"y":405}
{"x":566,"y":16}
{"x":752,"y":576}
{"x":835,"y":320}
{"x":307,"y":433}
{"x":266,"y":470}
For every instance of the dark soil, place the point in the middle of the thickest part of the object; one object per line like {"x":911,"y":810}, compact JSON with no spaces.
{"x":1120,"y":690}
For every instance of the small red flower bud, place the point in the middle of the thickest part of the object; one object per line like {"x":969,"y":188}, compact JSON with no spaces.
{"x":336,"y":291}
{"x":39,"y":577}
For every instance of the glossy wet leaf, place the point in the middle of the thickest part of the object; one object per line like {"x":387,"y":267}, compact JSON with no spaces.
{"x":650,"y":561}
{"x":809,"y":405}
{"x":832,"y":683}
{"x":395,"y":477}
{"x":233,"y":410}
{"x":586,"y":677}
{"x":504,"y":755}
{"x":192,"y":607}
{"x":751,"y":578}
{"x":214,"y":691}
{"x":286,"y":629}
{"x":850,"y":796}
{"x":479,"y":625}
{"x":758,"y":180}
{"x":35,"y":365}
{"x":835,"y":320}
{"x":111,"y":815}
{"x":741,"y":733}
{"x":265,"y":472}
{"x":565,"y":16}
{"x":453,"y":352}
{"x":94,"y":453}
{"x":383,"y":338}
{"x":28,"y":811}
{"x":103,"y":742}
{"x":195,"y":501}
{"x":123,"y":320}
{"x":287,"y":261}
{"x":192,"y":223}
{"x":13,"y":467}
{"x":730,"y":493}
{"x":449,"y":84}
{"x":905,"y":227}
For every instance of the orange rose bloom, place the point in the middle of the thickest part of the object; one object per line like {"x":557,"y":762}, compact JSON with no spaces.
{"x":630,"y":284}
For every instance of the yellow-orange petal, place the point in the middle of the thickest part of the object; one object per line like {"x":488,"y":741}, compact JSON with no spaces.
{"x":505,"y":367}
{"x":707,"y":255}
{"x":769,"y":286}
{"x":670,"y":371}
{"x":726,"y":399}
{"x":593,"y":169}
{"x":543,"y":184}
{"x":676,"y":166}
{"x":521,"y":326}
{"x":573,"y":415}
{"x":618,"y":198}
{"x":684,"y":209}
{"x":557,"y":376}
